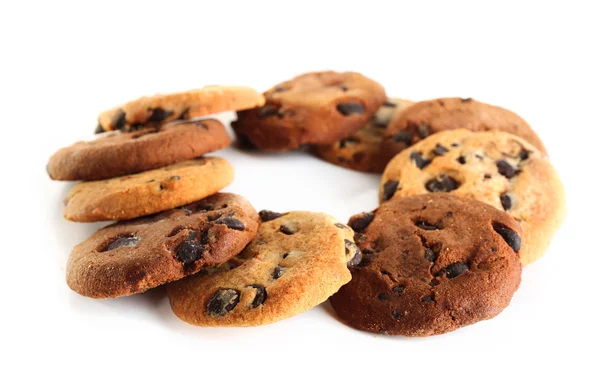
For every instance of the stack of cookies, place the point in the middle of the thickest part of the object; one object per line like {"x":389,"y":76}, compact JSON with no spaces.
{"x":467,"y":198}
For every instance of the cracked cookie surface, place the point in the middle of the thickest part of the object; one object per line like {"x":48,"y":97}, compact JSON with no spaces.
{"x":314,"y":108}
{"x":133,"y":256}
{"x":497,"y":168}
{"x":431,"y":264}
{"x":148,"y":192}
{"x":296,"y":262}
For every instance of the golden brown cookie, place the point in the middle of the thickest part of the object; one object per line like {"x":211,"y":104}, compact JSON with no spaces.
{"x":133,"y":256}
{"x":431,"y":264}
{"x":148,"y":192}
{"x":117,"y":154}
{"x":497,"y":168}
{"x":432,"y":116}
{"x":314,"y":108}
{"x":296,"y":262}
{"x":362,"y":150}
{"x":162,"y":108}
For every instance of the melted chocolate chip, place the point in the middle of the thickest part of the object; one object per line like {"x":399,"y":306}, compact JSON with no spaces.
{"x":506,"y":201}
{"x":403,"y":136}
{"x":260,"y":297}
{"x":231,"y":223}
{"x":510,"y":236}
{"x":439,"y":150}
{"x":461,"y":160}
{"x":119,"y":120}
{"x":277,"y":272}
{"x":222,"y":302}
{"x":361,"y":221}
{"x":443,"y":183}
{"x":454,"y":270}
{"x":266,"y":215}
{"x":189,"y":251}
{"x":506,"y":169}
{"x":288,"y":229}
{"x":267,"y":110}
{"x":389,"y":189}
{"x":420,"y":162}
{"x":159,"y":115}
{"x":423,"y":130}
{"x":123,"y":241}
{"x":350,"y":108}
{"x":353,"y":251}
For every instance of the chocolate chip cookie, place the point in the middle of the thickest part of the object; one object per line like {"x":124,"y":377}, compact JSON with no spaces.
{"x":431,"y":264}
{"x":296,"y":262}
{"x":160,"y":109}
{"x":133,"y":256}
{"x":314,"y":108}
{"x":497,"y":168}
{"x":117,"y":153}
{"x":148,"y":192}
{"x":432,"y":116}
{"x":362,"y":150}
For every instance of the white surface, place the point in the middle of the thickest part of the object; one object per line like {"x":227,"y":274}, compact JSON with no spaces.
{"x":64,"y":63}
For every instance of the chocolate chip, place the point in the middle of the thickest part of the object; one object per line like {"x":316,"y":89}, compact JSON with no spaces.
{"x":396,"y":315}
{"x":427,"y":299}
{"x":461,"y":160}
{"x":353,"y":251}
{"x":510,"y":236}
{"x":99,"y":129}
{"x":123,"y":241}
{"x":368,"y":251}
{"x":420,"y":162}
{"x":350,"y":108}
{"x":222,"y":302}
{"x":389,"y":189}
{"x":267,"y":110}
{"x":455,"y":144}
{"x":466,"y":100}
{"x":231,"y":223}
{"x":443,"y":183}
{"x":361,"y":221}
{"x":449,"y":214}
{"x":159,"y":115}
{"x":184,"y":115}
{"x":137,"y":126}
{"x":277,"y":272}
{"x":365,"y":261}
{"x":506,"y":201}
{"x":390,"y":104}
{"x":288,"y":229}
{"x":430,"y":255}
{"x":266,"y":215}
{"x":175,"y":177}
{"x":403,"y":136}
{"x":506,"y":169}
{"x":383,"y":296}
{"x":279,"y":89}
{"x":439,"y":150}
{"x":189,"y":251}
{"x":523,"y":155}
{"x":286,"y":255}
{"x":342,"y":87}
{"x":119,"y":120}
{"x":455,"y":269}
{"x":260,"y":297}
{"x":398,"y":289}
{"x":423,"y":130}
{"x":487,"y":176}
{"x":426,"y":225}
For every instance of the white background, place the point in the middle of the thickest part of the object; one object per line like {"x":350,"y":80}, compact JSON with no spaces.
{"x":62,"y":63}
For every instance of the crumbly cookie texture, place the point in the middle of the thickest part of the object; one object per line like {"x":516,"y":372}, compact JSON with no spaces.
{"x":163,"y":108}
{"x":148,"y":192}
{"x":314,"y":108}
{"x":117,"y":154}
{"x":296,"y":262}
{"x":133,"y":256}
{"x":362,"y":150}
{"x":428,"y":117}
{"x":497,"y":168}
{"x":431,"y":264}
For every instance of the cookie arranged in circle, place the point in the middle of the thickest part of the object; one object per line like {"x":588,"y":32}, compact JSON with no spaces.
{"x":116,"y":154}
{"x":296,"y":262}
{"x":133,"y":256}
{"x":148,"y":192}
{"x":163,"y":108}
{"x":428,"y":117}
{"x":314,"y":108}
{"x":362,"y":150}
{"x":431,"y":264}
{"x":497,"y":168}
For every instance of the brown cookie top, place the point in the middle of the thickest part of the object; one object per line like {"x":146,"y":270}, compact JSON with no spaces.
{"x":314,"y":108}
{"x":133,"y":256}
{"x":432,"y":116}
{"x":431,"y":264}
{"x":117,"y":154}
{"x":362,"y":150}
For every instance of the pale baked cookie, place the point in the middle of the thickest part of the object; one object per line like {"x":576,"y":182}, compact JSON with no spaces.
{"x":497,"y":168}
{"x":362,"y":150}
{"x":432,"y":116}
{"x":314,"y":108}
{"x":148,"y":192}
{"x":431,"y":264}
{"x":162,"y":108}
{"x":133,"y":256}
{"x":296,"y":262}
{"x":116,"y":154}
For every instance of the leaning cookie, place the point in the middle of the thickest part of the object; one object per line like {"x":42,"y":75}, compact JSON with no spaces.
{"x":497,"y":168}
{"x":431,"y":264}
{"x":133,"y":256}
{"x":160,"y":109}
{"x":362,"y":150}
{"x":148,"y":192}
{"x":314,"y":108}
{"x":296,"y":262}
{"x":117,"y":154}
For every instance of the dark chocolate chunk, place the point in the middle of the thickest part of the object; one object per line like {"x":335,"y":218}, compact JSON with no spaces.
{"x":443,"y":183}
{"x":510,"y":236}
{"x":277,"y":272}
{"x":222,"y":302}
{"x":455,"y":269}
{"x":439,"y":150}
{"x":423,"y":130}
{"x":119,"y":120}
{"x":523,"y":155}
{"x":506,"y":201}
{"x":383,"y":297}
{"x":403,"y":136}
{"x":260,"y":297}
{"x":189,"y":251}
{"x":350,"y":108}
{"x":389,"y":189}
{"x":430,"y":255}
{"x":159,"y":115}
{"x":231,"y":223}
{"x":266,"y":215}
{"x":288,"y":229}
{"x":398,"y":289}
{"x":361,"y":221}
{"x":420,"y":162}
{"x":506,"y":169}
{"x":461,"y":159}
{"x":99,"y":129}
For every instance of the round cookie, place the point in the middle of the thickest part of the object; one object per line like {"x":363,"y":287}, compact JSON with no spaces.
{"x":497,"y":168}
{"x":148,"y":192}
{"x":314,"y":108}
{"x":432,"y":116}
{"x":117,"y":154}
{"x":133,"y":256}
{"x":362,"y":150}
{"x":296,"y":262}
{"x":431,"y":264}
{"x":162,"y":108}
